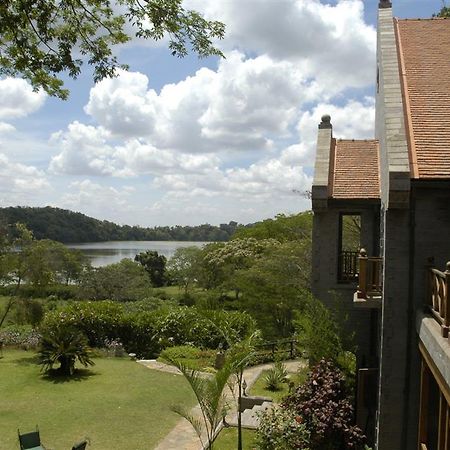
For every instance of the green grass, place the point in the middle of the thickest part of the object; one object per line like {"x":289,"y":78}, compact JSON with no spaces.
{"x":118,"y":403}
{"x":227,"y":439}
{"x":259,"y":389}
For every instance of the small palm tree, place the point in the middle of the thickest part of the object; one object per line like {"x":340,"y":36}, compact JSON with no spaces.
{"x":64,"y":346}
{"x":210,"y":394}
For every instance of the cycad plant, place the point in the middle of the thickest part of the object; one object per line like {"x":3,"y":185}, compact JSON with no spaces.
{"x":64,"y":345}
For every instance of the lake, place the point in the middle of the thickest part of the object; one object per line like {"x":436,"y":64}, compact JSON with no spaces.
{"x":104,"y":253}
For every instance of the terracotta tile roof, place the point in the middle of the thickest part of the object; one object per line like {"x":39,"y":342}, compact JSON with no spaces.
{"x":424,"y":51}
{"x":354,"y":169}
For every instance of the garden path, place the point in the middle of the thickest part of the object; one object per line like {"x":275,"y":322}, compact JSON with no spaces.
{"x":183,"y":436}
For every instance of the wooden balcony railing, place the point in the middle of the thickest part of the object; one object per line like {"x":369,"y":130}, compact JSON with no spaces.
{"x":438,"y":293}
{"x":370,"y":279}
{"x":348,"y":266}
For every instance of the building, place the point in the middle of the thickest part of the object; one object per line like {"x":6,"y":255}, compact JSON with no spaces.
{"x":381,"y":237}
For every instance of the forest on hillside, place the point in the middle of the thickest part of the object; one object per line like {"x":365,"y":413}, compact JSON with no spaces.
{"x":69,"y":227}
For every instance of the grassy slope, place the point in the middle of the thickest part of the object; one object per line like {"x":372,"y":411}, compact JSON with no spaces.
{"x":118,"y":404}
{"x":227,"y":439}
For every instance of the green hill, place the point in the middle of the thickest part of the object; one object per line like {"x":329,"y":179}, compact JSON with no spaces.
{"x":68,"y":227}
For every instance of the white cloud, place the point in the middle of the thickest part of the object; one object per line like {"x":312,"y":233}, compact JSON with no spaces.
{"x":238,"y":107}
{"x":124,"y":105}
{"x":83,"y":151}
{"x":354,"y":120}
{"x":17,"y":98}
{"x":19,"y":183}
{"x":331,"y":42}
{"x":97,"y":200}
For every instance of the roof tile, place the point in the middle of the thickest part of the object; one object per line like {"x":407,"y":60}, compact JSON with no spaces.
{"x":354,"y":170}
{"x":425,"y":59}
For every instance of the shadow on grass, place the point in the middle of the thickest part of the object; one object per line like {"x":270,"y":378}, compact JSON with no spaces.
{"x":26,"y":360}
{"x":56,"y":377}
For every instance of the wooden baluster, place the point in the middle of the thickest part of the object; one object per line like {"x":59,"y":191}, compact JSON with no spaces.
{"x":446,"y":300}
{"x":429,"y":282}
{"x":362,"y":279}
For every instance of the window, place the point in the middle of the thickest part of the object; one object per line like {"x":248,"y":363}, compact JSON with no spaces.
{"x":349,"y":246}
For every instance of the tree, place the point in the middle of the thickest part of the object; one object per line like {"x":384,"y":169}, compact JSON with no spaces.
{"x":444,"y":12}
{"x":210,"y":395}
{"x":155,"y":266}
{"x":43,"y":38}
{"x":183,"y":267}
{"x":122,"y":281}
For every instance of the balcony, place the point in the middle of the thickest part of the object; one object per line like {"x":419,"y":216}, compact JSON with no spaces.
{"x":348,"y":267}
{"x":370,"y":281}
{"x":437,"y":296}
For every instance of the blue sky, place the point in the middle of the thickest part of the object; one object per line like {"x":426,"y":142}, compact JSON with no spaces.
{"x":189,"y":141}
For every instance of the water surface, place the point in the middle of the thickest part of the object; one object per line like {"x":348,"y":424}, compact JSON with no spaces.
{"x":104,"y":253}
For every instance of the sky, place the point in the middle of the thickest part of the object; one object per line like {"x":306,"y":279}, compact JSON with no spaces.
{"x":191,"y":141}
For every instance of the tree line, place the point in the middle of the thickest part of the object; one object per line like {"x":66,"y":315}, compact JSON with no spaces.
{"x":73,"y":227}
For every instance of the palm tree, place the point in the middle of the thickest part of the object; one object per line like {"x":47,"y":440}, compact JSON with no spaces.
{"x":210,"y":395}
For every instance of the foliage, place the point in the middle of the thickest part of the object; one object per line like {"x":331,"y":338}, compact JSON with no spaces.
{"x":43,"y":39}
{"x":183,"y":266}
{"x":274,"y":287}
{"x":444,"y":12}
{"x":323,"y":406}
{"x":155,"y":266}
{"x":147,"y":332}
{"x":282,"y":228}
{"x":193,"y":357}
{"x":64,"y":345}
{"x":211,"y":398}
{"x":72,"y":227}
{"x":276,"y":376}
{"x":222,"y":262}
{"x":23,"y":336}
{"x":279,"y":429}
{"x":28,"y":311}
{"x":318,"y":332}
{"x":122,"y":281}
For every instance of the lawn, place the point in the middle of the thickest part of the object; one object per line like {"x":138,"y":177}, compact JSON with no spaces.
{"x":227,"y":439}
{"x":259,"y":389}
{"x":118,"y":404}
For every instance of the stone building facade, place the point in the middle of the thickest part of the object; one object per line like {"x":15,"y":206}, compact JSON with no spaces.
{"x":395,"y":190}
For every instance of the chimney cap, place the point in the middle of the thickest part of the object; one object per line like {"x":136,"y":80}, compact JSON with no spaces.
{"x":326,"y":122}
{"x":385,"y":4}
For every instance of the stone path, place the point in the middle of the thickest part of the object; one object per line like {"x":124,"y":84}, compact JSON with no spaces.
{"x":183,"y":436}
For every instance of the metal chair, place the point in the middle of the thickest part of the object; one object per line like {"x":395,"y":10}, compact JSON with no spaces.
{"x":30,"y":441}
{"x":80,"y":445}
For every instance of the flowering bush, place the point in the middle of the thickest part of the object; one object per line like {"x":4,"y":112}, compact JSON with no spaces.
{"x":114,"y":347}
{"x":279,"y":429}
{"x":20,"y":336}
{"x":323,"y":405}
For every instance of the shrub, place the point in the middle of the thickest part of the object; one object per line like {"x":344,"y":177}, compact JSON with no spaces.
{"x":318,"y":332}
{"x":147,"y":332}
{"x":28,"y":311}
{"x":280,"y":430}
{"x":276,"y":376}
{"x":323,"y":405}
{"x":20,"y":336}
{"x":64,"y":345}
{"x":192,"y":357}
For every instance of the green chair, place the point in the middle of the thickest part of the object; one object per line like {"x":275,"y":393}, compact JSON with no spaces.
{"x":80,"y":445}
{"x":30,"y":441}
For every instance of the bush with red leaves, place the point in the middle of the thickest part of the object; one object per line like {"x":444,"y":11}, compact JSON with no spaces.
{"x":323,"y":405}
